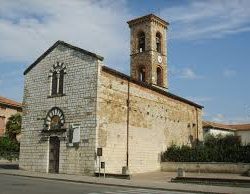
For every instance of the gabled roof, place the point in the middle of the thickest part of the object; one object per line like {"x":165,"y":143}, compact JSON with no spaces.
{"x":59,"y":42}
{"x":9,"y":102}
{"x":209,"y":124}
{"x":241,"y":127}
{"x":231,"y":127}
{"x":151,"y":87}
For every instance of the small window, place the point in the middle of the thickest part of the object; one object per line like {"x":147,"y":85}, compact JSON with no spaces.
{"x":61,"y":82}
{"x":54,"y":83}
{"x":158,"y":42}
{"x":159,"y":76}
{"x":57,"y":79}
{"x":142,"y":74}
{"x":141,"y":42}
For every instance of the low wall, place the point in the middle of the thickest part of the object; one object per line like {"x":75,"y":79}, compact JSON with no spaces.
{"x":208,"y":167}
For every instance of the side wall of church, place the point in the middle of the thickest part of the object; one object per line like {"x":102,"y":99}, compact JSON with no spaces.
{"x":78,"y":105}
{"x":153,"y":120}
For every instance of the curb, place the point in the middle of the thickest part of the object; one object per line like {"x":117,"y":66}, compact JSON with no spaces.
{"x":111,"y":184}
{"x":214,"y":181}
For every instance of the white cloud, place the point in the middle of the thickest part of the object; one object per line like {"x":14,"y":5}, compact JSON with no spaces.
{"x":184,"y":73}
{"x":200,"y":99}
{"x":28,"y":28}
{"x":208,"y":19}
{"x":229,"y":73}
{"x":218,"y":118}
{"x":221,"y":118}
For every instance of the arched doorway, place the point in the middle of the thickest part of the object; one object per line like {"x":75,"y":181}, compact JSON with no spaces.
{"x":54,"y":149}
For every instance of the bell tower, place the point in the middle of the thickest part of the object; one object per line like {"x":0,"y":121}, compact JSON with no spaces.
{"x":148,"y":55}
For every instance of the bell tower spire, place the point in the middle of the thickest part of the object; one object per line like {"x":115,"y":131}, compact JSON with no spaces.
{"x":148,"y":51}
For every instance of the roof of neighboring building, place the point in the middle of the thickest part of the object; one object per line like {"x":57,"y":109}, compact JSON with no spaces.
{"x":231,"y":127}
{"x":59,"y":42}
{"x":9,"y":102}
{"x":152,"y":87}
{"x":209,"y":124}
{"x":241,"y":127}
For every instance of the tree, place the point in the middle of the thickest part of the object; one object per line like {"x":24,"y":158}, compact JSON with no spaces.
{"x":13,"y":126}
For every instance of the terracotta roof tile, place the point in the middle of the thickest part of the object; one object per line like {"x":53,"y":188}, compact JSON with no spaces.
{"x":241,"y":127}
{"x":10,"y":102}
{"x":209,"y":124}
{"x":232,"y":127}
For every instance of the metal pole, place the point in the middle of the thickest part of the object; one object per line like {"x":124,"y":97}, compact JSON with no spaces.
{"x":99,"y":167}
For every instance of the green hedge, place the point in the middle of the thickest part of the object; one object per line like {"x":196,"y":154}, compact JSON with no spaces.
{"x":8,"y":149}
{"x":214,"y":149}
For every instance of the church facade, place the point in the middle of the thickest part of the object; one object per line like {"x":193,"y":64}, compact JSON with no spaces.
{"x":78,"y":112}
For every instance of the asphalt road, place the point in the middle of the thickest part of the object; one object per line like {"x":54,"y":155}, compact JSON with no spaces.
{"x":23,"y":185}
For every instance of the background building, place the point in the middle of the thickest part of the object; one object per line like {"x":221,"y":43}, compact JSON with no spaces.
{"x":7,"y":108}
{"x":241,"y":130}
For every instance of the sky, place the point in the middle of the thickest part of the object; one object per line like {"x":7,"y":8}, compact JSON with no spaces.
{"x":208,"y":44}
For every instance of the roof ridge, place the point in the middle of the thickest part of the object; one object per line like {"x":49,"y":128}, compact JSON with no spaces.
{"x":7,"y":101}
{"x":54,"y":46}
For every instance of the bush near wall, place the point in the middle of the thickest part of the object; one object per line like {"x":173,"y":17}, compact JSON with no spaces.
{"x":213,"y":149}
{"x":8,"y":149}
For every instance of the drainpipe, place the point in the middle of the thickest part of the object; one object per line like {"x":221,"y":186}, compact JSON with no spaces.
{"x":197,"y":124}
{"x":128,"y":109}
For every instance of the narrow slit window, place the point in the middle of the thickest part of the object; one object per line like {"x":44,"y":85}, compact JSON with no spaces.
{"x":159,"y":76}
{"x":54,"y":83}
{"x":142,"y":74}
{"x":61,"y":80}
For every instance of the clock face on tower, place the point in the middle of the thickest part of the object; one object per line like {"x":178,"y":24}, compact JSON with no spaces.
{"x":54,"y":119}
{"x":159,"y":59}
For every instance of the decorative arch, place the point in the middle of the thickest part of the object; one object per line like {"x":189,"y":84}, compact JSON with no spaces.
{"x":159,"y":76}
{"x":141,"y":41}
{"x":158,"y":41}
{"x":57,"y":78}
{"x":54,"y":119}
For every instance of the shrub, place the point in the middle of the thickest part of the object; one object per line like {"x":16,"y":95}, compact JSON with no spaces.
{"x":214,"y":149}
{"x":8,"y":149}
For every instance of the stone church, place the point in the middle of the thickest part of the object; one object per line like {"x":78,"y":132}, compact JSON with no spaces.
{"x":78,"y":112}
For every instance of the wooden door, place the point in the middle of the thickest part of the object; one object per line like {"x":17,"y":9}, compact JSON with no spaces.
{"x":54,"y":150}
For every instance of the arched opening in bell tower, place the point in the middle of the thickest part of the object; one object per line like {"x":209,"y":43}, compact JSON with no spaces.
{"x":159,"y":76}
{"x":158,"y":42}
{"x":142,"y":74}
{"x":141,"y":42}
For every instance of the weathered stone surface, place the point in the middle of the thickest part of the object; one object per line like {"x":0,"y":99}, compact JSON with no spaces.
{"x":131,"y":121}
{"x":149,"y":58}
{"x":154,"y":122}
{"x":78,"y":106}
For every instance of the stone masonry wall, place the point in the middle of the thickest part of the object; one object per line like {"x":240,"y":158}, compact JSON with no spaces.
{"x":155,"y":122}
{"x":149,"y":58}
{"x":78,"y":105}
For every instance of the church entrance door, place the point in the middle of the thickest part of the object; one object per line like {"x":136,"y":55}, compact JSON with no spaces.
{"x":54,"y":148}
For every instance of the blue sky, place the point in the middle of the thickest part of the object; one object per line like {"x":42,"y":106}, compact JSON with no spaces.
{"x":208,"y":44}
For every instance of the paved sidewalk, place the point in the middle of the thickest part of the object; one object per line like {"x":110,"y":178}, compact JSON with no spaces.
{"x":167,"y":176}
{"x":136,"y":182}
